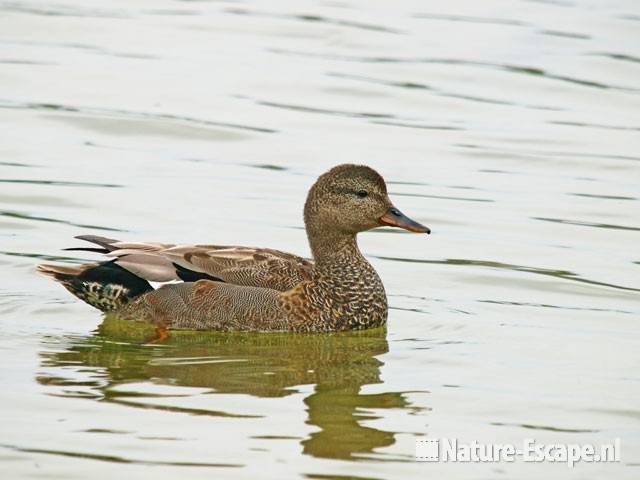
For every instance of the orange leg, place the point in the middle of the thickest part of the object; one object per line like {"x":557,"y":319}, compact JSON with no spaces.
{"x":161,"y":334}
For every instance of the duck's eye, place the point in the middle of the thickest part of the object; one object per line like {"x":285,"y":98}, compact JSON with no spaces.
{"x":362,"y":193}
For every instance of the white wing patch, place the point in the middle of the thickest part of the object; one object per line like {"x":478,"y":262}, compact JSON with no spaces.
{"x":157,"y":285}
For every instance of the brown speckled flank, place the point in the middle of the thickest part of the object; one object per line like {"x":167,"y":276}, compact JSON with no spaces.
{"x":254,"y":289}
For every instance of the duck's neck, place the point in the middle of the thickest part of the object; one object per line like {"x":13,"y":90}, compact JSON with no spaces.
{"x":329,"y":248}
{"x":344,"y":287}
{"x":340,"y":268}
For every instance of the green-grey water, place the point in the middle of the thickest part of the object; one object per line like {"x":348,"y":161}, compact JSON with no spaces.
{"x":511,"y":128}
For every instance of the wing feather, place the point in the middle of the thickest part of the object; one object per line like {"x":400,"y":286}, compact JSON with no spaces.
{"x":248,"y":266}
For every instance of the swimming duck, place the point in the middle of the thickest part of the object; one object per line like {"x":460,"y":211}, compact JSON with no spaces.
{"x":228,"y":288}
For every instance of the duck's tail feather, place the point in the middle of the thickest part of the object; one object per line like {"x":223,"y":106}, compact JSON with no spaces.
{"x":106,"y":286}
{"x":105,"y":244}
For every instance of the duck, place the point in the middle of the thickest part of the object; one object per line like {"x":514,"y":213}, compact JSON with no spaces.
{"x":250,"y":289}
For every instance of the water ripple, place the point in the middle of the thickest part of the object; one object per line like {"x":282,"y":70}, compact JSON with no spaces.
{"x":42,"y":256}
{"x":116,"y":459}
{"x":471,"y":19}
{"x":587,"y":224}
{"x":25,"y":216}
{"x":79,"y":46}
{"x":558,"y":33}
{"x":563,"y":274}
{"x":63,"y":183}
{"x":324,"y":111}
{"x":415,"y":125}
{"x":62,"y":11}
{"x":517,"y":69}
{"x":543,"y":153}
{"x":16,"y":164}
{"x":602,"y":197}
{"x":443,"y":197}
{"x":438,"y":91}
{"x":595,"y":125}
{"x":316,"y":19}
{"x":105,"y":112}
{"x":11,"y":61}
{"x":619,"y":56}
{"x":543,"y":427}
{"x":560,"y":307}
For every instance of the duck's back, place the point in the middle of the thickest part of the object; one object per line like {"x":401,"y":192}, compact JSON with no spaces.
{"x":125,"y":280}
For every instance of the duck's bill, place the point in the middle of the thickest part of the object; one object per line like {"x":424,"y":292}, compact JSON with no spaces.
{"x":395,"y":218}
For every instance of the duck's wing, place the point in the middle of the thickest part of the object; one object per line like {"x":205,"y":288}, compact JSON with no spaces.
{"x":247,"y":266}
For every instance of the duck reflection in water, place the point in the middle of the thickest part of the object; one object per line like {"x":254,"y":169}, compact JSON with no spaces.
{"x":261,"y":365}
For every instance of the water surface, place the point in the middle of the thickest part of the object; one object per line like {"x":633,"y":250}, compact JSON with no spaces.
{"x":511,"y":128}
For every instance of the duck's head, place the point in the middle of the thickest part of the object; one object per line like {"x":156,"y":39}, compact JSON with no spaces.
{"x":353,"y":198}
